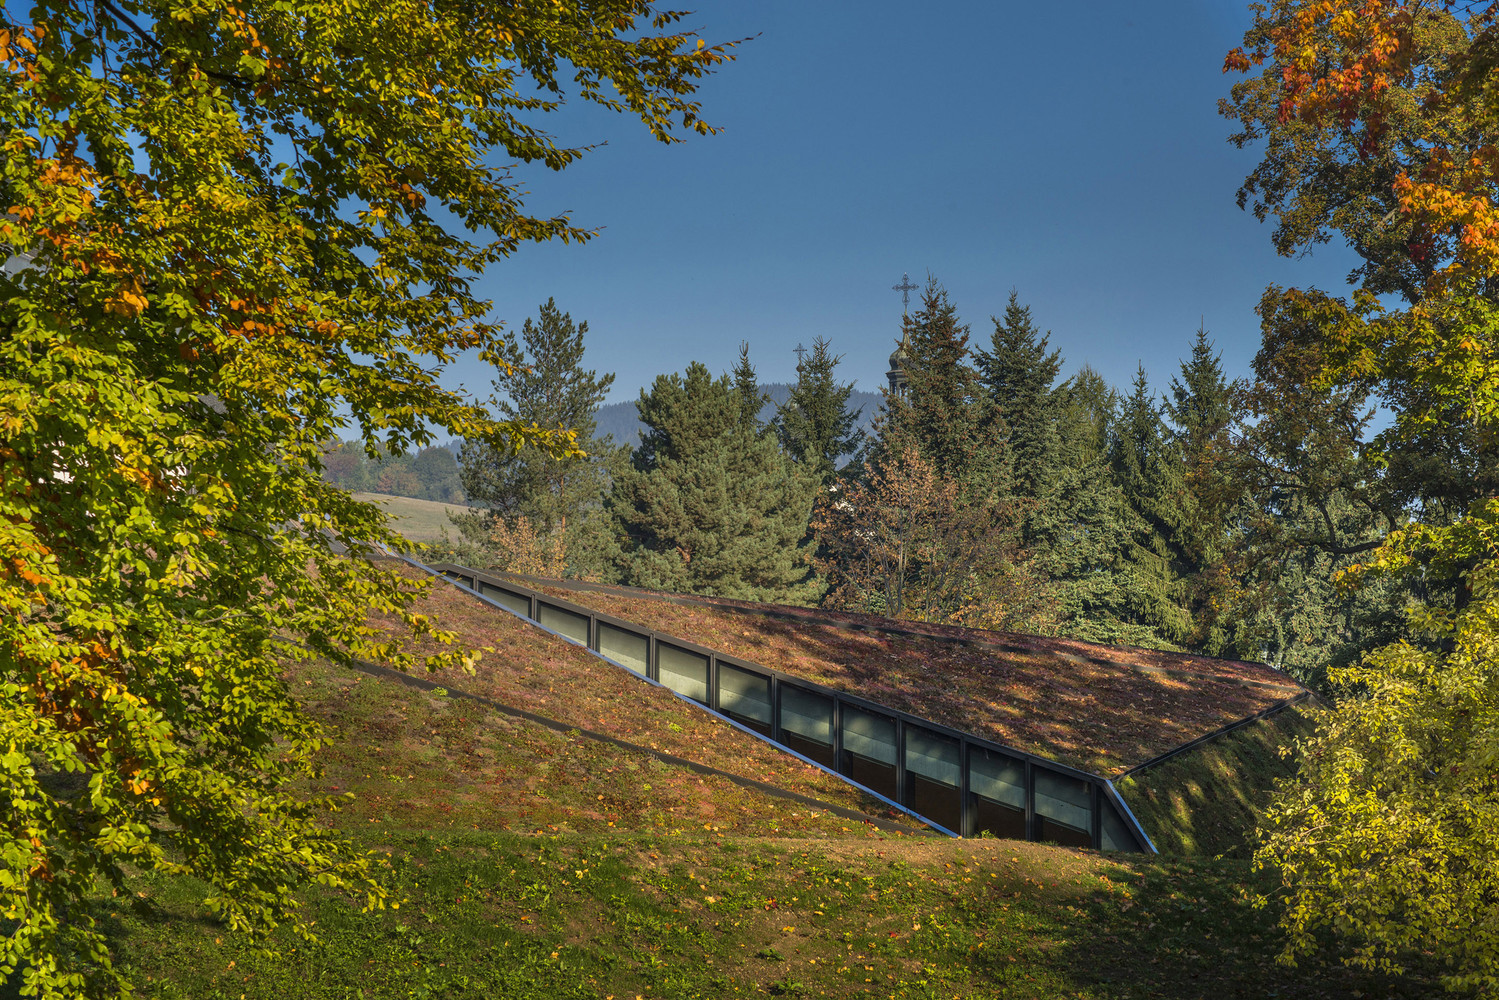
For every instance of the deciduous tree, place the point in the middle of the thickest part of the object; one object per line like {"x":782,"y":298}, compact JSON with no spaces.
{"x":1388,"y":839}
{"x":241,"y":221}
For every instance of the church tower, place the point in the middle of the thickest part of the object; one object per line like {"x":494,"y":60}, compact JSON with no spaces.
{"x":897,"y":372}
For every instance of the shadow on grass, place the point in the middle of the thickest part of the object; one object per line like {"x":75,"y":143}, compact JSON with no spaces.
{"x":1193,"y":930}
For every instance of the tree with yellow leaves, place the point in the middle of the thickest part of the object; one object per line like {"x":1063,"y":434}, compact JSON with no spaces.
{"x":1381,"y":118}
{"x":229,"y":223}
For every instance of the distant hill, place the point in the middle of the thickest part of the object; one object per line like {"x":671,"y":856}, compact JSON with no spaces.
{"x":623,"y":421}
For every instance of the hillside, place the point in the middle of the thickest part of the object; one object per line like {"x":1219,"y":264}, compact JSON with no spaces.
{"x":622,"y":420}
{"x":532,"y":864}
{"x":1208,"y":800}
{"x":418,"y":520}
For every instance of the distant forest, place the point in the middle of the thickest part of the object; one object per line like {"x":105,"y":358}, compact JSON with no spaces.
{"x":622,"y":420}
{"x":433,"y":473}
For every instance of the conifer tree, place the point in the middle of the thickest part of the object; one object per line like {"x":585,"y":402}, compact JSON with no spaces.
{"x":815,"y":425}
{"x":1150,"y":476}
{"x":1199,"y":409}
{"x":709,"y":504}
{"x":543,"y":382}
{"x":943,"y":413}
{"x":747,"y":388}
{"x":1018,"y":372}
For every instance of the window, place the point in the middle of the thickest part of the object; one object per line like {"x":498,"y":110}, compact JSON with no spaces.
{"x":519,"y":603}
{"x":626,"y":648}
{"x":568,"y":623}
{"x":869,"y":750}
{"x":1116,"y":834}
{"x":996,"y":794}
{"x":684,"y":672}
{"x":1064,"y":809}
{"x":744,"y":696}
{"x":934,"y":773}
{"x":807,"y":724}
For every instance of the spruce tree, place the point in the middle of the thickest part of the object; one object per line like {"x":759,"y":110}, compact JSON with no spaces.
{"x":1200,"y":410}
{"x":1082,"y":528}
{"x":747,"y":388}
{"x":1018,"y":372}
{"x":943,"y":414}
{"x":545,"y":384}
{"x":815,"y":425}
{"x":1151,"y":477}
{"x":709,"y":504}
{"x":1199,"y":407}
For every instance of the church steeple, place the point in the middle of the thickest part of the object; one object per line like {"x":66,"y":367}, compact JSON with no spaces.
{"x":897,"y":372}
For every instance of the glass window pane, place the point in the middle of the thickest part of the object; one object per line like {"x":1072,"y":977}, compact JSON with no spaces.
{"x":996,"y":794}
{"x":869,"y":750}
{"x":996,"y":777}
{"x":933,"y":756}
{"x":684,"y":672}
{"x":519,"y":603}
{"x":1064,"y":809}
{"x":569,"y":623}
{"x":807,"y":723}
{"x":1116,"y":834}
{"x":624,"y":647}
{"x":745,"y":696}
{"x":933,"y":773}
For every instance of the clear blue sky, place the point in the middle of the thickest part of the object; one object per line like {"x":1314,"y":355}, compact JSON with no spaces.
{"x":1071,"y":151}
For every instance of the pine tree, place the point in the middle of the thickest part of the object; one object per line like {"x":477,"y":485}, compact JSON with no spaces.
{"x":943,"y":413}
{"x":815,"y":425}
{"x":546,"y":385}
{"x":1018,"y":372}
{"x":710,"y":504}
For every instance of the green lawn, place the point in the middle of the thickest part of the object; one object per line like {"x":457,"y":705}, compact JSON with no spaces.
{"x":534,"y":863}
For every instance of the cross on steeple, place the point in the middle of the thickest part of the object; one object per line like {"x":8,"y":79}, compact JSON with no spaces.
{"x":905,"y":288}
{"x":799,"y":350}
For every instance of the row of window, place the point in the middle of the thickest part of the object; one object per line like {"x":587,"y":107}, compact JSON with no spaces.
{"x":966,"y":785}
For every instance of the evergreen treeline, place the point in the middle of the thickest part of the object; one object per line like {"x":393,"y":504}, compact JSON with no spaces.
{"x":992,"y":492}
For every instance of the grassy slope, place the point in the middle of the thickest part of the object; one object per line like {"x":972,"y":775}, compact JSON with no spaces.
{"x":535,"y":864}
{"x":1059,"y":699}
{"x":529,"y":669}
{"x":451,"y":797}
{"x":418,"y":520}
{"x":1207,"y":801}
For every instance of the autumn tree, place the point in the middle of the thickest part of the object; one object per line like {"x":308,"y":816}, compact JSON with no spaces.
{"x":1387,"y":840}
{"x":904,"y":541}
{"x":237,"y":224}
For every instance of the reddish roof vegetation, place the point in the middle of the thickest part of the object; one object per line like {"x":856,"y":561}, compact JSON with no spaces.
{"x":1100,"y":708}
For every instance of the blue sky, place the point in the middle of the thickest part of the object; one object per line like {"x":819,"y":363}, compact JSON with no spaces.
{"x":1073,"y":152}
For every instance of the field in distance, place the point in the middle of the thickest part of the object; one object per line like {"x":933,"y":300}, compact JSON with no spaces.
{"x":418,"y":520}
